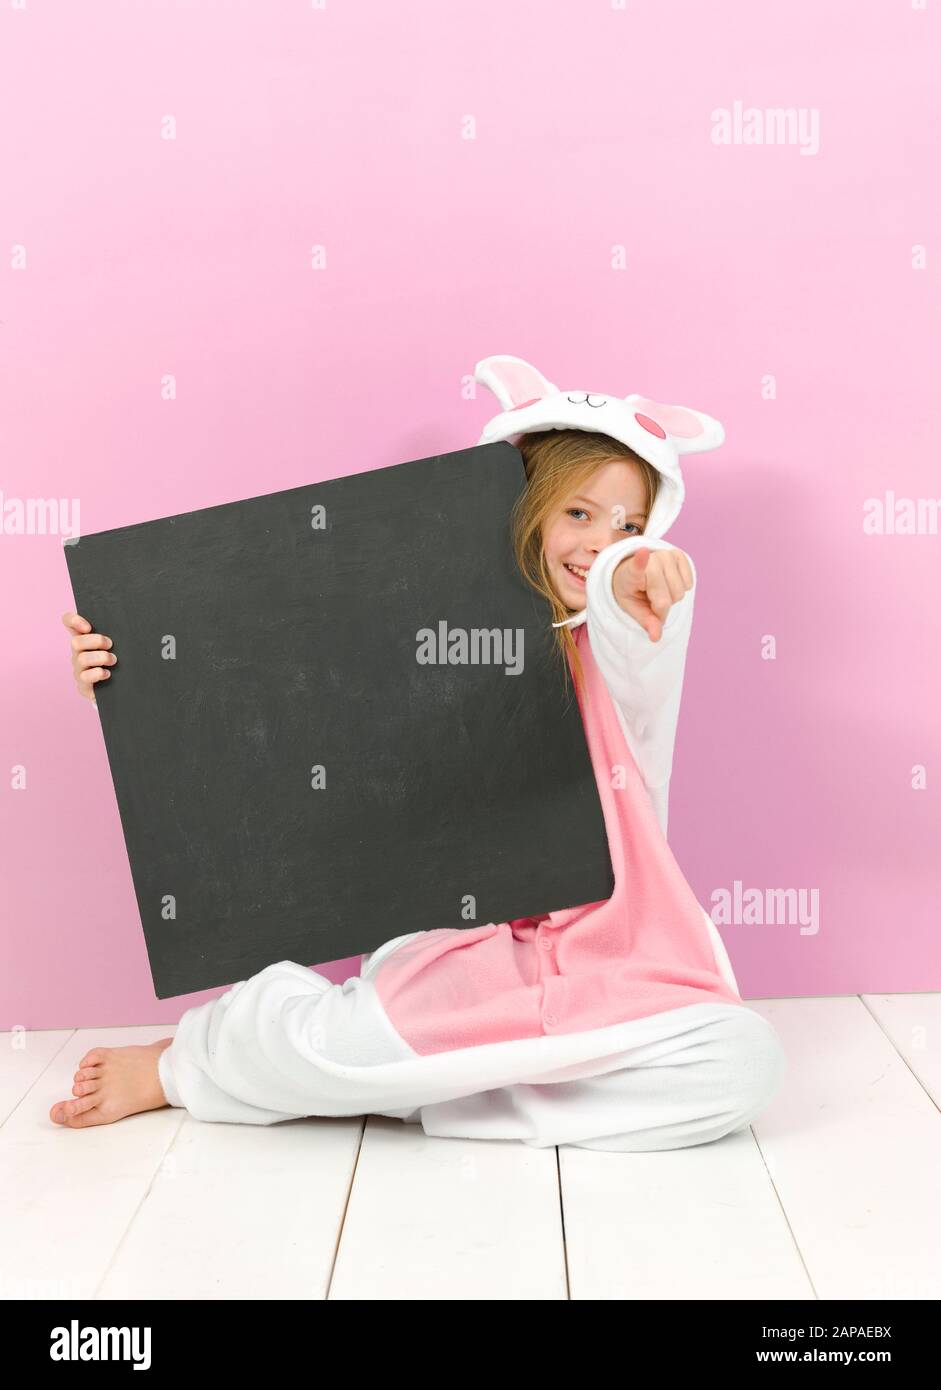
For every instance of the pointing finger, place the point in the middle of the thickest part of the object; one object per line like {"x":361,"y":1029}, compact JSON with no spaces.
{"x":686,"y":568}
{"x":674,"y":576}
{"x":658,"y":590}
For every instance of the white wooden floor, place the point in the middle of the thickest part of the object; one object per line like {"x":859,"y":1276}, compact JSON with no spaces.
{"x":832,"y":1193}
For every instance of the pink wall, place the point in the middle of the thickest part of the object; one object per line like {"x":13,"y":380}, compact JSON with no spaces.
{"x":342,"y":127}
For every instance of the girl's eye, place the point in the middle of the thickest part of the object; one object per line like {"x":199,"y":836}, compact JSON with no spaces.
{"x":580,"y":511}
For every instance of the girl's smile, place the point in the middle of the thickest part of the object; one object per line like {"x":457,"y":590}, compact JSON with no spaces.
{"x":578,"y":571}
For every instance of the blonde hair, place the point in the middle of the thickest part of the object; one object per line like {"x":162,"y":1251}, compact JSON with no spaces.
{"x":557,"y":462}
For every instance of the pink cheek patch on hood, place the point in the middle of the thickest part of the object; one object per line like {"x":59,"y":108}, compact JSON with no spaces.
{"x":650,"y":426}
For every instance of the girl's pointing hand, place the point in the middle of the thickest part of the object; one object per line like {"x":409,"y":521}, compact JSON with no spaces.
{"x":648,"y":583}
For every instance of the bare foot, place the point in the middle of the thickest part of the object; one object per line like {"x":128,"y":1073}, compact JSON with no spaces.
{"x":112,"y":1082}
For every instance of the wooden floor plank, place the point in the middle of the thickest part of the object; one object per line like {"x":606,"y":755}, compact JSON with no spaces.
{"x":24,"y":1056}
{"x":67,"y":1196}
{"x":699,"y":1222}
{"x":853,"y":1146}
{"x":449,"y":1219}
{"x":913,"y":1024}
{"x":240,"y":1211}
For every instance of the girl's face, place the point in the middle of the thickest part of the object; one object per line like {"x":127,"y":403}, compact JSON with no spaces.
{"x":607,"y":507}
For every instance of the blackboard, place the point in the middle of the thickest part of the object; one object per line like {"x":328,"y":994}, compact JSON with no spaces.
{"x":293,"y":781}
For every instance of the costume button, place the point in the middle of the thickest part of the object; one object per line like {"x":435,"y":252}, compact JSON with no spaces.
{"x":550,"y":1020}
{"x":546,"y":943}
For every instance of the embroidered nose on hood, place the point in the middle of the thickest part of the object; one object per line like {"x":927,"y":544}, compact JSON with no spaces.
{"x":658,"y":433}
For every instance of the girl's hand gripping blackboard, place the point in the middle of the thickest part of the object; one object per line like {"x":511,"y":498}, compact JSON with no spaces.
{"x":91,"y":655}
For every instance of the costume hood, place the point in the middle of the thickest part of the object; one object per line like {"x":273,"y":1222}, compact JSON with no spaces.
{"x":658,"y":433}
{"x":655,"y":431}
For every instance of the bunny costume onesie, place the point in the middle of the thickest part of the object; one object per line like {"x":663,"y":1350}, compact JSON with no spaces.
{"x":614,"y":1025}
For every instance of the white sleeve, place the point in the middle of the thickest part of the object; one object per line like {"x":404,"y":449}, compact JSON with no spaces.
{"x":644,"y":678}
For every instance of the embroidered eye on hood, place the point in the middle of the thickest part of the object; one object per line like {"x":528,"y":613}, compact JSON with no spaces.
{"x":658,"y":433}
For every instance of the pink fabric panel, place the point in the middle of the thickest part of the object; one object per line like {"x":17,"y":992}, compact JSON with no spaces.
{"x":643,"y":950}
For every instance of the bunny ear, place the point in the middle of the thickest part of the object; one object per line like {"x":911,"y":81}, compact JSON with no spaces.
{"x":690,"y":431}
{"x":515,"y":383}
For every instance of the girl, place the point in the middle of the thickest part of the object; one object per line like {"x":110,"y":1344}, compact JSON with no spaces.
{"x":615,"y":1025}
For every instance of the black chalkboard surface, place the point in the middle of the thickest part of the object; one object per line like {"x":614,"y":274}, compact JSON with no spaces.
{"x":336,"y":717}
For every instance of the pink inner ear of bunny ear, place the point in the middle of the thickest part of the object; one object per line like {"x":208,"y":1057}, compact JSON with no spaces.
{"x":522,"y":383}
{"x":682,"y":424}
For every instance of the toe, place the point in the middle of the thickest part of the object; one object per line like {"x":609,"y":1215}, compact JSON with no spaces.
{"x":78,"y":1113}
{"x":83,"y":1118}
{"x":63,"y":1110}
{"x":93,"y":1058}
{"x":84,"y":1088}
